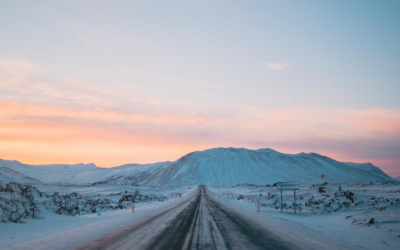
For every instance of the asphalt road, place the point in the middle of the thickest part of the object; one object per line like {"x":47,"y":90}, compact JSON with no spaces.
{"x":198,"y":223}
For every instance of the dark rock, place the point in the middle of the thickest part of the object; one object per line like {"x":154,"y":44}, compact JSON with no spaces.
{"x":349,"y":195}
{"x":372,"y":221}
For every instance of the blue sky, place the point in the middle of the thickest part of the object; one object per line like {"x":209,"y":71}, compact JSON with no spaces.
{"x":295,"y":76}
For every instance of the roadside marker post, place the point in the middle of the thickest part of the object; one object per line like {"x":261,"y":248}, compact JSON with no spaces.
{"x":227,"y":195}
{"x":133,"y":207}
{"x":288,"y":186}
{"x":258,"y":205}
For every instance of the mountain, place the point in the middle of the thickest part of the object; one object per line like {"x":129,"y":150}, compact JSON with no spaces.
{"x":9,"y":175}
{"x":367,"y":167}
{"x":398,"y":178}
{"x":232,"y":166}
{"x":131,"y":173}
{"x":218,"y":166}
{"x":84,"y":173}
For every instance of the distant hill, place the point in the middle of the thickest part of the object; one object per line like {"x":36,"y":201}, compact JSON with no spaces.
{"x":231,"y":166}
{"x":9,"y":175}
{"x":367,"y":167}
{"x":217,"y":167}
{"x":84,"y":173}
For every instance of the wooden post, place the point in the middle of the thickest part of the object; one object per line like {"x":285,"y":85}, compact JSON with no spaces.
{"x":295,"y":205}
{"x":219,"y":196}
{"x":133,"y":207}
{"x":227,"y":198}
{"x":258,"y":205}
{"x":281,"y":202}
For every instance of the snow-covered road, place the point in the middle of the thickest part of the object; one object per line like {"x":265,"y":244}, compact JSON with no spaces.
{"x":197,"y":223}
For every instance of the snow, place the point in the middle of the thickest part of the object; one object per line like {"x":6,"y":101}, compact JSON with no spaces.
{"x":231,"y":166}
{"x":91,"y":201}
{"x":53,"y":231}
{"x":8,"y":175}
{"x":215,"y":167}
{"x":347,"y":228}
{"x":84,"y":173}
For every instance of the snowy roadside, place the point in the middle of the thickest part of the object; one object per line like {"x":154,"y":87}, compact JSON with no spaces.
{"x":64,"y":232}
{"x":345,"y":229}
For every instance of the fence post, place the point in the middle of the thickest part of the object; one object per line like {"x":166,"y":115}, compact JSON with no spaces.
{"x":133,"y":207}
{"x":295,"y":205}
{"x":258,"y":205}
{"x":281,"y":202}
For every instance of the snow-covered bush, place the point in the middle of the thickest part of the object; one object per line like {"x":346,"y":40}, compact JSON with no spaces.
{"x":18,"y":202}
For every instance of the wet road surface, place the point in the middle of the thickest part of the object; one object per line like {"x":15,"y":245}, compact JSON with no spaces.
{"x":197,"y":223}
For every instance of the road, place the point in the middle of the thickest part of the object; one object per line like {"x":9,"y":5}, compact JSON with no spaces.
{"x":197,"y":223}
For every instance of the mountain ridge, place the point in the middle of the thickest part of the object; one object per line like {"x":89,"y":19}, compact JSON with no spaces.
{"x":232,"y":166}
{"x":216,"y":166}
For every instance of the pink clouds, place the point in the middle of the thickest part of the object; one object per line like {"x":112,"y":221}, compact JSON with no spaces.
{"x":27,"y":122}
{"x":73,"y":120}
{"x":276,"y":66}
{"x":330,"y":123}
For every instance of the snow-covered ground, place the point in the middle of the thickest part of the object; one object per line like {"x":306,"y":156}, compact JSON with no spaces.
{"x":330,"y":219}
{"x":50,"y":230}
{"x":65,"y":205}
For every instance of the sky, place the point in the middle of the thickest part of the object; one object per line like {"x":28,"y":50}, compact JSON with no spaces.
{"x":116,"y":82}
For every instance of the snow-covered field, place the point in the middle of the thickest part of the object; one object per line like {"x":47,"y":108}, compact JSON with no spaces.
{"x":335,"y":220}
{"x":50,"y":230}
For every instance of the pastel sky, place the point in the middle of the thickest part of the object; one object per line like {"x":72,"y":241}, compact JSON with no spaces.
{"x":116,"y":82}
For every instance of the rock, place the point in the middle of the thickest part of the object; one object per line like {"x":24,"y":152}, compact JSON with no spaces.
{"x":346,"y":204}
{"x":372,"y":221}
{"x":22,"y":203}
{"x":349,"y":195}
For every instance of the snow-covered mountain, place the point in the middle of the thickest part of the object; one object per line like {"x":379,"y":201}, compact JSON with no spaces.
{"x":398,"y":178}
{"x":130,"y":173}
{"x":232,"y":166}
{"x":84,"y":173}
{"x":367,"y":167}
{"x":9,"y":175}
{"x":216,"y":167}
